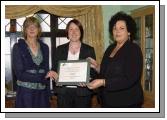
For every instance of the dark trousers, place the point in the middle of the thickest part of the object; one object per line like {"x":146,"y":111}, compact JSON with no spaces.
{"x":71,"y":100}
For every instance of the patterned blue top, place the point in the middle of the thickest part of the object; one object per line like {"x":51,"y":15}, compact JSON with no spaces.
{"x":30,"y":68}
{"x":38,"y":58}
{"x":33,"y":89}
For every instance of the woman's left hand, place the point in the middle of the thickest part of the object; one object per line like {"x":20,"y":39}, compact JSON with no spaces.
{"x":96,"y":83}
{"x":94,"y":64}
{"x":52,"y":75}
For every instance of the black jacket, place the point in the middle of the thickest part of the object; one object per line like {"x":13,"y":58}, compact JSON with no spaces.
{"x":123,"y":75}
{"x":62,"y":54}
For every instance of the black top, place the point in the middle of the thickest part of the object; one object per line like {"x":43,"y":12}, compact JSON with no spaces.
{"x":123,"y":75}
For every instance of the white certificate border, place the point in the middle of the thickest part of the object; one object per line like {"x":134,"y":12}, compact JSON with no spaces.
{"x":75,"y":82}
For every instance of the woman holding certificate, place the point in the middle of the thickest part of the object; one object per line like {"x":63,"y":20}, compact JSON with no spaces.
{"x":78,"y":96}
{"x":121,"y":66}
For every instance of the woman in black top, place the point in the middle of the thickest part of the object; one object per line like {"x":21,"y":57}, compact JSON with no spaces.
{"x":73,"y":96}
{"x":121,"y":66}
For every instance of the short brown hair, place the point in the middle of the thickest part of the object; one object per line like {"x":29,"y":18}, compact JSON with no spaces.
{"x":76,"y":22}
{"x":28,"y":22}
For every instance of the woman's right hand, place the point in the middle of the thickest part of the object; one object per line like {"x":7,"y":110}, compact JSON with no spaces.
{"x":96,"y":83}
{"x":94,"y":64}
{"x":52,"y":75}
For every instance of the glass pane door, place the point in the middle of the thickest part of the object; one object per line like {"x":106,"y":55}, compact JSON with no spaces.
{"x":148,"y":53}
{"x":138,"y":33}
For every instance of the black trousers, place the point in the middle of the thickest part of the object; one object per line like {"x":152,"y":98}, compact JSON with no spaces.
{"x":71,"y":100}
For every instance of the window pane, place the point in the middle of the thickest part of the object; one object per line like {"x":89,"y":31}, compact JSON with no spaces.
{"x":19,"y":23}
{"x":45,"y":27}
{"x":44,"y":20}
{"x":42,"y":16}
{"x":62,"y":22}
{"x":61,"y":40}
{"x":9,"y":80}
{"x":7,"y":25}
{"x":60,"y":19}
{"x":8,"y":73}
{"x":7,"y":45}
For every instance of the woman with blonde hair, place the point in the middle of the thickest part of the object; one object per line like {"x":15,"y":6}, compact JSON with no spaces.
{"x":31,"y":63}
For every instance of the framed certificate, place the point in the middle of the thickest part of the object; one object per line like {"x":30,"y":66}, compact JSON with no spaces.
{"x":73,"y":72}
